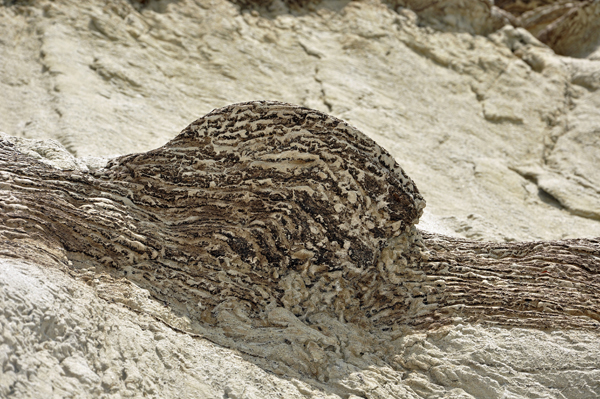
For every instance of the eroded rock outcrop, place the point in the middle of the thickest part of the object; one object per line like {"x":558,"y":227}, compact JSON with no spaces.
{"x":278,"y":230}
{"x":245,"y":203}
{"x":498,"y":132}
{"x":568,"y":27}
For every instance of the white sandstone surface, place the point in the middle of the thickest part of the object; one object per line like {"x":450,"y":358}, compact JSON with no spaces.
{"x":499,"y":133}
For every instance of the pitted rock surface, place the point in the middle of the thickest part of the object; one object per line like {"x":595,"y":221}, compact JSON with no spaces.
{"x":279,"y":186}
{"x":263,"y":202}
{"x":286,"y":234}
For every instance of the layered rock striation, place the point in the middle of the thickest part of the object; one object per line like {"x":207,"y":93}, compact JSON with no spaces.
{"x":461,"y":105}
{"x":265,"y":223}
{"x":192,"y":270}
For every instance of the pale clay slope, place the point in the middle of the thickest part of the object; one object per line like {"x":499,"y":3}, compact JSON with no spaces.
{"x":478,"y":128}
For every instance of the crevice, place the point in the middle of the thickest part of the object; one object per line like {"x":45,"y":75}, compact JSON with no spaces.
{"x":323,"y":94}
{"x":560,"y":126}
{"x":542,"y":194}
{"x":549,"y":199}
{"x":500,"y":119}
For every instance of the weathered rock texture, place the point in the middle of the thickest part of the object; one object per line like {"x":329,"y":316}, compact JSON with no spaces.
{"x":277,"y":230}
{"x":568,"y":27}
{"x":60,"y":339}
{"x":498,"y":132}
{"x":463,"y":111}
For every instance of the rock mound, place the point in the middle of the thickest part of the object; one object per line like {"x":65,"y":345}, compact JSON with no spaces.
{"x":272,"y":194}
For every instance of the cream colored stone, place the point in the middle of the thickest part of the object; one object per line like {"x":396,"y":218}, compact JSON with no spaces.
{"x":122,"y":79}
{"x":499,"y":134}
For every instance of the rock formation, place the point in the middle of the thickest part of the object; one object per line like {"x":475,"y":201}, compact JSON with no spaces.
{"x":568,"y":27}
{"x":264,"y":217}
{"x":192,"y":270}
{"x":460,"y":109}
{"x":244,"y":203}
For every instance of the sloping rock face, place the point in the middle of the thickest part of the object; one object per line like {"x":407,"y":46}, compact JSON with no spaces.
{"x":496,"y":122}
{"x":109,"y":288}
{"x":255,"y":233}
